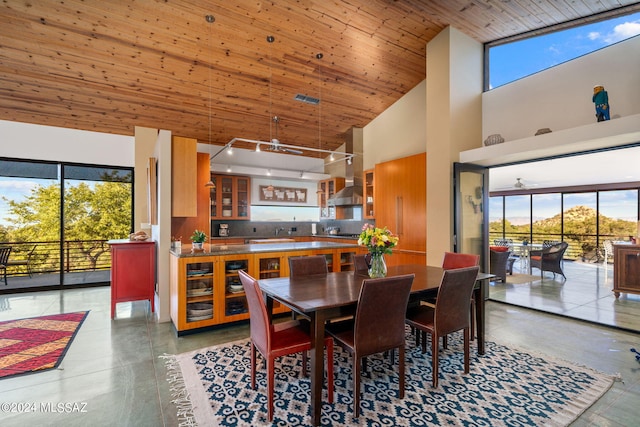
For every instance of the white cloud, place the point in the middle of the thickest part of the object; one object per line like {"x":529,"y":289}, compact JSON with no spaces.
{"x":623,"y":31}
{"x":594,"y":35}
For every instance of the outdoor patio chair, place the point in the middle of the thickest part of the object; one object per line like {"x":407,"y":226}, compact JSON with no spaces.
{"x":549,"y":259}
{"x":26,"y":262}
{"x":498,"y":263}
{"x":5,"y":251}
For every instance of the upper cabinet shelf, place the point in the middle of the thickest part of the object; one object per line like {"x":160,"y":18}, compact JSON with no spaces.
{"x":230,"y":197}
{"x":368,"y":205}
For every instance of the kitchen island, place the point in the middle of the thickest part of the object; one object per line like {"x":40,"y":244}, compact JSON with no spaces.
{"x":205,"y":287}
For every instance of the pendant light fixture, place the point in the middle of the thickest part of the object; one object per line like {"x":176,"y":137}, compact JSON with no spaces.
{"x":210,"y":19}
{"x":319,"y":57}
{"x":274,"y":144}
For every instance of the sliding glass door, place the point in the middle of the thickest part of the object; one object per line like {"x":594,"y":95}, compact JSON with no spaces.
{"x":471,"y":185}
{"x":57,"y":219}
{"x":97,"y":207}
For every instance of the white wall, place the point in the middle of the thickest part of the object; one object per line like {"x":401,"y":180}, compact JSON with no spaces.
{"x":399,"y":131}
{"x":161,"y":233}
{"x":37,"y":142}
{"x":453,"y":124}
{"x":560,"y":97}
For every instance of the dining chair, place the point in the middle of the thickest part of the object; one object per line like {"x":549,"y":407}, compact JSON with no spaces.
{"x":458,"y":260}
{"x":273,"y":340}
{"x":450,"y":314}
{"x":5,"y":251}
{"x":300,"y":266}
{"x":453,"y":260}
{"x":378,"y":326}
{"x":361,"y":263}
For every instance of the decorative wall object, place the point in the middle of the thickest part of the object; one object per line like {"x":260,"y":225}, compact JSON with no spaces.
{"x":269,"y":193}
{"x":494,"y":139}
{"x":542,"y":131}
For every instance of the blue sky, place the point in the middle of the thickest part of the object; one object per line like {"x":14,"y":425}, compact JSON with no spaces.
{"x":621,"y":204}
{"x":519,"y":59}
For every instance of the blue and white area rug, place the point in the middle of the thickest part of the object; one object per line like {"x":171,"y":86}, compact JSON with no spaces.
{"x":505,"y":387}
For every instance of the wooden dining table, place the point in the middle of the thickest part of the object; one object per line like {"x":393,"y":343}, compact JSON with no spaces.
{"x":325,"y":297}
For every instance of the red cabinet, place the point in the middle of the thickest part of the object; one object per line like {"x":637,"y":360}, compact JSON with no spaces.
{"x":133,"y":267}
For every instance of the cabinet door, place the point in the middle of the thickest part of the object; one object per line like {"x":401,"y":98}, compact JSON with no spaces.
{"x":228,"y":196}
{"x":368,"y":206}
{"x":199,"y":283}
{"x":268,"y":266}
{"x":627,"y":269}
{"x":243,"y":197}
{"x":232,"y":302}
{"x":231,"y":197}
{"x":401,"y":204}
{"x":184,"y":177}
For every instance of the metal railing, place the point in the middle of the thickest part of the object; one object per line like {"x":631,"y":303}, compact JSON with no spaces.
{"x":45,"y":257}
{"x":583,"y":247}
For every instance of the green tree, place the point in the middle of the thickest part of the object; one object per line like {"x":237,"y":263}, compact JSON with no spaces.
{"x":91,"y":216}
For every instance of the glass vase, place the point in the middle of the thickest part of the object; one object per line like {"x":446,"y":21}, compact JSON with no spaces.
{"x":377,"y":268}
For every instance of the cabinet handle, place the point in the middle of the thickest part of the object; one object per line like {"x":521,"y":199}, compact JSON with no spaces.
{"x":399,"y":215}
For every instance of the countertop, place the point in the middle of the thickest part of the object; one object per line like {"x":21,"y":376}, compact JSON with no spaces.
{"x":288,"y":236}
{"x":216,"y":250}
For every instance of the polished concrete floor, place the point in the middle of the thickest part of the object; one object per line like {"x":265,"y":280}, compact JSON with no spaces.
{"x":586,"y":294}
{"x":114,"y":367}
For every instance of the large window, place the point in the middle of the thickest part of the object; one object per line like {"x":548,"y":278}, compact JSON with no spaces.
{"x":546,"y":214}
{"x":582,"y":219}
{"x":511,"y":61}
{"x":57,"y":218}
{"x":517,"y":217}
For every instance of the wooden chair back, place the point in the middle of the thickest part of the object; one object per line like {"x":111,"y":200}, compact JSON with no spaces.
{"x":259,"y":326}
{"x":300,"y":266}
{"x":361,"y":263}
{"x":380,"y":314}
{"x":452,"y":304}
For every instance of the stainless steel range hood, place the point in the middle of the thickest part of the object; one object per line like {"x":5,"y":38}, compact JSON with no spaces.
{"x":351,"y":194}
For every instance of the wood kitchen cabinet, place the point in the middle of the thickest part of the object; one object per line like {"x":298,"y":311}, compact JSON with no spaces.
{"x":230,"y":197}
{"x":133,"y":272}
{"x":626,"y":269}
{"x":205,"y":290}
{"x":368,"y":206}
{"x":184,"y":177}
{"x":192,"y":289}
{"x":401,"y":206}
{"x":183,"y":227}
{"x":326,"y":189}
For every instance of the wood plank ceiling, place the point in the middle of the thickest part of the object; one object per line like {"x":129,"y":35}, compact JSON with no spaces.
{"x":110,"y":66}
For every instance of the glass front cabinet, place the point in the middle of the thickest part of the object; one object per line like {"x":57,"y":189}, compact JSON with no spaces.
{"x":193,"y":301}
{"x":230,"y":197}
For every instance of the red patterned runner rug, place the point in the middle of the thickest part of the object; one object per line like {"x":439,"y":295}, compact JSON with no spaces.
{"x":37,"y":343}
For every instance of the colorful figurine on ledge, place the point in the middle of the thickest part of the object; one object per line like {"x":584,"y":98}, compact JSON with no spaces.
{"x":601,"y":99}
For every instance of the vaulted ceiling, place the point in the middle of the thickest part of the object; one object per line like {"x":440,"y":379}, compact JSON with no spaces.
{"x":109,"y":66}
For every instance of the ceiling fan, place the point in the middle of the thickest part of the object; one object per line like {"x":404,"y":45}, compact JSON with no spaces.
{"x":519,"y":184}
{"x":275,"y":142}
